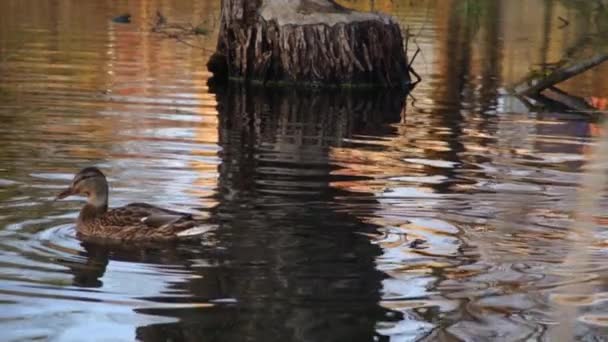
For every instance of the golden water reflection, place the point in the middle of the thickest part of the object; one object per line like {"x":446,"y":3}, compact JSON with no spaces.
{"x":445,"y":214}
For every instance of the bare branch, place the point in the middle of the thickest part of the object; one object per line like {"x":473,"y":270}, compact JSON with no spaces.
{"x":534,"y":86}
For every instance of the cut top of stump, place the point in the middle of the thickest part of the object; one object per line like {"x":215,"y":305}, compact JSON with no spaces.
{"x":314,"y":12}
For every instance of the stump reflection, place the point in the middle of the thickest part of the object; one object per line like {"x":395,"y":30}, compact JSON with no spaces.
{"x":287,"y":255}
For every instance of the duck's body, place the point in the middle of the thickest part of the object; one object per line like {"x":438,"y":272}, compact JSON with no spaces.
{"x":137,"y":221}
{"x":133,"y":222}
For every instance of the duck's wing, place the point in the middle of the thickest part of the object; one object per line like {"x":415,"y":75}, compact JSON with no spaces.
{"x":138,"y":214}
{"x":161,"y":220}
{"x":155,"y":217}
{"x":153,"y":210}
{"x":140,"y":221}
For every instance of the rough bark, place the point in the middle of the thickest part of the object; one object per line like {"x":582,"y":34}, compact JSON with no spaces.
{"x":311,"y":42}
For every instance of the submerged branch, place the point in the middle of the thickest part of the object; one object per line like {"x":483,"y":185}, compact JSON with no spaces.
{"x":542,"y":86}
{"x":563,"y":98}
{"x":411,"y":61}
{"x":534,"y":85}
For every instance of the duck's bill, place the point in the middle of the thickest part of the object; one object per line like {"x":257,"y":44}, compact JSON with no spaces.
{"x":65,"y":193}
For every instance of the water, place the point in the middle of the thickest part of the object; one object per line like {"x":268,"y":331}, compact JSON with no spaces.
{"x":450,"y":214}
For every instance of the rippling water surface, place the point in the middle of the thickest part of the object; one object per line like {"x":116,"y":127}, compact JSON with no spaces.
{"x":448,"y":214}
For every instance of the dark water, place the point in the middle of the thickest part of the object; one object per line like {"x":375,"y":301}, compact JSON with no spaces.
{"x":449,"y":214}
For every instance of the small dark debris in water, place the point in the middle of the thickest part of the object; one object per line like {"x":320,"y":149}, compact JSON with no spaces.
{"x":122,"y":19}
{"x":416,"y":244}
{"x":160,"y":18}
{"x":200,"y":30}
{"x":564,"y":22}
{"x":161,"y":21}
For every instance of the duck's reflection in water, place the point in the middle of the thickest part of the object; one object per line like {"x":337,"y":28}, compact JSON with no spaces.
{"x":288,"y":262}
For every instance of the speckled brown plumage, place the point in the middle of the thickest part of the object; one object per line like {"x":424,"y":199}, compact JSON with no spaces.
{"x":134,"y":222}
{"x":125,"y":223}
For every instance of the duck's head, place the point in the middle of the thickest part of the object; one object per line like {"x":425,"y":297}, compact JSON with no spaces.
{"x":91,"y":183}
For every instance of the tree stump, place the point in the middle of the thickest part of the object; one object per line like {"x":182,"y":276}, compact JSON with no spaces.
{"x":308,"y":42}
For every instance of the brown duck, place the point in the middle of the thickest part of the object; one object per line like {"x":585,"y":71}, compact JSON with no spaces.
{"x":133,"y":222}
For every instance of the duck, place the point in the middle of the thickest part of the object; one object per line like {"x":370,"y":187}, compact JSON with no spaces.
{"x":133,"y":222}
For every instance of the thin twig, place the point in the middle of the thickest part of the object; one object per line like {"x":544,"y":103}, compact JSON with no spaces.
{"x":407,"y":38}
{"x":181,"y":40}
{"x":178,"y":31}
{"x":418,"y":78}
{"x":413,"y":58}
{"x":411,"y":70}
